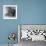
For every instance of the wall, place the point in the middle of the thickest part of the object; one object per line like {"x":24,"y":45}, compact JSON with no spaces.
{"x":7,"y":26}
{"x":34,"y":12}
{"x":29,"y":12}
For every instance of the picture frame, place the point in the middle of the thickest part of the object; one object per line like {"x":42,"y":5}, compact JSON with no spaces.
{"x":9,"y":11}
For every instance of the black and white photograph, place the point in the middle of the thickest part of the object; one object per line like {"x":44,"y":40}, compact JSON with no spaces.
{"x":9,"y":11}
{"x":29,"y":35}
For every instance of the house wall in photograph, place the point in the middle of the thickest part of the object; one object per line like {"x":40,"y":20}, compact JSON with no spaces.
{"x":28,"y":12}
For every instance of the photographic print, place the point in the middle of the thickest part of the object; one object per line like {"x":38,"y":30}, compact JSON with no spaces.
{"x":9,"y":11}
{"x":32,"y":32}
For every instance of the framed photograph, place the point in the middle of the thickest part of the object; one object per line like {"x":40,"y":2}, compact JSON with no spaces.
{"x":31,"y":32}
{"x":9,"y":11}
